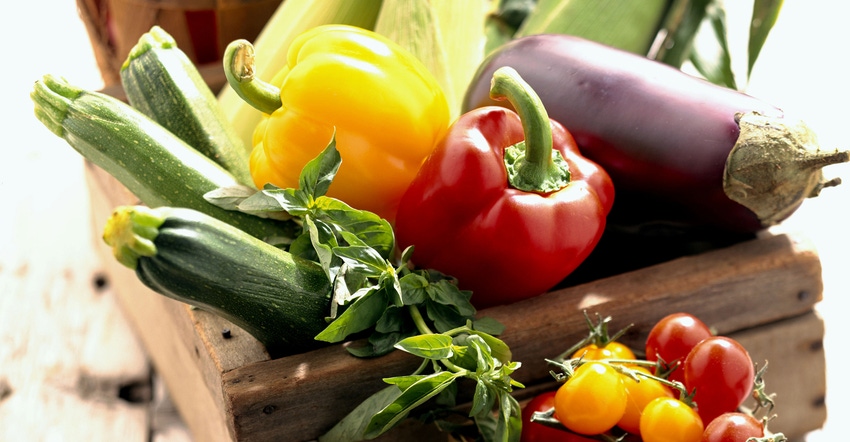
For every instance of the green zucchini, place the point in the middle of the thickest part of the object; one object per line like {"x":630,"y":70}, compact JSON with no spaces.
{"x":154,"y":164}
{"x":162,"y":82}
{"x":280,"y":299}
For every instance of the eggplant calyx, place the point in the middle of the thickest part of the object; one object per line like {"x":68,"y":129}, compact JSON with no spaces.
{"x":775,"y":165}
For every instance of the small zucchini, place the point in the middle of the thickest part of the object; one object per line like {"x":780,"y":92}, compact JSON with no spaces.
{"x":161,"y":81}
{"x":154,"y":164}
{"x":280,"y":299}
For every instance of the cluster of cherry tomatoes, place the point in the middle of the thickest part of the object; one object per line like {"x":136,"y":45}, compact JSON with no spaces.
{"x":688,"y":387}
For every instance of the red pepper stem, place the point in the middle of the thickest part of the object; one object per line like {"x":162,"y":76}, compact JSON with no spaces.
{"x":532,"y":165}
{"x":239,"y":70}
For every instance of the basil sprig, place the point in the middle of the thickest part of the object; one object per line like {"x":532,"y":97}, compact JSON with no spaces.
{"x":419,"y":311}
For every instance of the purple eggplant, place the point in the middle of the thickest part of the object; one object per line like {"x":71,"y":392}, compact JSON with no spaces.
{"x":677,"y":147}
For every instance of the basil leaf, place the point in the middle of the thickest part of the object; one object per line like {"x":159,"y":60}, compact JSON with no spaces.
{"x":352,"y":426}
{"x":497,"y":348}
{"x":404,"y":382}
{"x":389,"y":281}
{"x":465,"y":358}
{"x":414,"y":289}
{"x":324,"y":242}
{"x":363,"y":259}
{"x":483,"y":400}
{"x":378,"y":344}
{"x":509,"y":424}
{"x":430,"y":346}
{"x":447,"y":293}
{"x":413,"y":396}
{"x":303,"y":248}
{"x":359,"y":316}
{"x":393,"y":320}
{"x":444,"y":317}
{"x":271,"y":198}
{"x":483,"y":359}
{"x":229,"y":197}
{"x":488,"y":325}
{"x":370,"y":228}
{"x":486,"y":423}
{"x":263,"y":205}
{"x":448,"y":397}
{"x":318,"y":173}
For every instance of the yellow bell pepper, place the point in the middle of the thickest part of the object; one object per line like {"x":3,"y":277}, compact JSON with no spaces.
{"x":385,"y":108}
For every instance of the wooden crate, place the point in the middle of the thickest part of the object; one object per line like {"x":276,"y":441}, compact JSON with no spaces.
{"x":202,"y":28}
{"x":761,"y":292}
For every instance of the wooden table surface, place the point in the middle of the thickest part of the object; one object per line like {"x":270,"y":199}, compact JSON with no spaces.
{"x":72,"y":369}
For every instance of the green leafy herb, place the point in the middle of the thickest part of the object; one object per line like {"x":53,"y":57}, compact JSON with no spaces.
{"x":419,"y":311}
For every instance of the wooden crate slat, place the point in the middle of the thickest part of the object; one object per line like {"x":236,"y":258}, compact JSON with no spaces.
{"x":796,"y":371}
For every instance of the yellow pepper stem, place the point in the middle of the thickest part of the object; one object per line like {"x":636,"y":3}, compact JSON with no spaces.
{"x":239,"y":70}
{"x":533,"y":165}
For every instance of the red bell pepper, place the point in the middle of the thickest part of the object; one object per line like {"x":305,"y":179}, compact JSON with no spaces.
{"x":505,"y":203}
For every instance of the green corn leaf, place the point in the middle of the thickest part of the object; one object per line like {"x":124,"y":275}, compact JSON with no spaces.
{"x":448,"y":36}
{"x":675,"y":39}
{"x":765,"y":13}
{"x":711,"y":56}
{"x":628,"y":25}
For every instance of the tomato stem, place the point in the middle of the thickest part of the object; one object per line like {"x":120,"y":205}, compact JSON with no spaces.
{"x":598,"y":335}
{"x":548,"y":419}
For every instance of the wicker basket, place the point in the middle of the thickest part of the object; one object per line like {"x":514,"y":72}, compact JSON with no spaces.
{"x":202,"y":28}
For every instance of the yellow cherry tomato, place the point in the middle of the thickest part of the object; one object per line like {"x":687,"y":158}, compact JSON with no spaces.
{"x":667,"y":419}
{"x":592,"y":400}
{"x":639,"y":394}
{"x":611,"y":350}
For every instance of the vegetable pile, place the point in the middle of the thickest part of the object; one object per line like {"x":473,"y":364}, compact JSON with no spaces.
{"x":379,"y":192}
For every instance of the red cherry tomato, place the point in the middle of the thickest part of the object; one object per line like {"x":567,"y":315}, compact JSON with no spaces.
{"x":667,"y":419}
{"x":639,"y":395}
{"x":536,"y":432}
{"x":592,"y":400}
{"x":732,"y":427}
{"x":672,"y":338}
{"x":722,"y":372}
